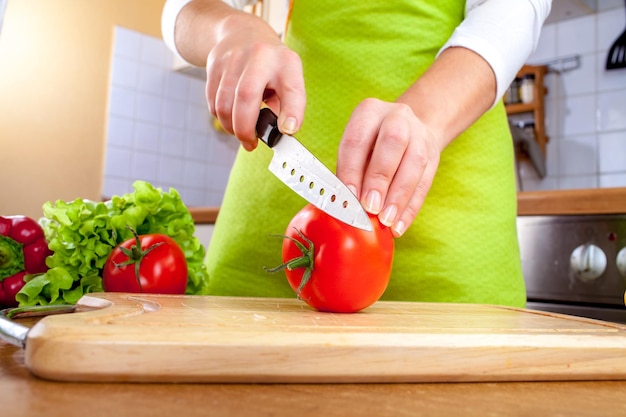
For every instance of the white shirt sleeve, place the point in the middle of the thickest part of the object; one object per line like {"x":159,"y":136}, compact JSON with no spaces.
{"x":170,"y":13}
{"x":503,"y":32}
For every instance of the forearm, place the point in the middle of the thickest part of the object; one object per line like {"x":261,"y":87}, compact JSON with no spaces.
{"x":246,"y":63}
{"x":452,"y":94}
{"x":201,"y":23}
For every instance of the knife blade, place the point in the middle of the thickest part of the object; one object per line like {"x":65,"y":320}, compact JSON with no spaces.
{"x":301,"y":171}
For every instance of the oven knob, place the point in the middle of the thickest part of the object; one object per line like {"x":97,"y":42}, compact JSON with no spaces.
{"x":621,"y":261}
{"x":588,"y":262}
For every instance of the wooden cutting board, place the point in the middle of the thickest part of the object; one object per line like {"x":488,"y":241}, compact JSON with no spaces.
{"x":153,"y":338}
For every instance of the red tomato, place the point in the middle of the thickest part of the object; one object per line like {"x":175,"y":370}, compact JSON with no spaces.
{"x":351,"y":267}
{"x":162,"y":266}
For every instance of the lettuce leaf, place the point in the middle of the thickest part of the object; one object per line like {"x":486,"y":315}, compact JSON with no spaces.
{"x":82,"y":234}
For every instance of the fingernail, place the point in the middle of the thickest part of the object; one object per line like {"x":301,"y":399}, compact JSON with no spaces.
{"x":399,"y":228}
{"x":289,"y":126}
{"x":352,"y":189}
{"x":389,"y":215}
{"x":372,"y":203}
{"x":248,"y":146}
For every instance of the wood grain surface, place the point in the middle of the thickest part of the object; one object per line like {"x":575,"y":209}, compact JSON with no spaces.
{"x":571,"y":202}
{"x":154,"y":338}
{"x":24,"y":395}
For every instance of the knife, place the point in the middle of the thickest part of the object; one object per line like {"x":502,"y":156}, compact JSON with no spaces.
{"x":17,"y":334}
{"x":301,"y":171}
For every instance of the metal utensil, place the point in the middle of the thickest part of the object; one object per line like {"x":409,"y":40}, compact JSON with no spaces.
{"x":616,"y":57}
{"x":301,"y":171}
{"x":15,"y":333}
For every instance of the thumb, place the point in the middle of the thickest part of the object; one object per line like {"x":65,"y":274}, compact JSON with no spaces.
{"x":292,"y":104}
{"x":288,"y":124}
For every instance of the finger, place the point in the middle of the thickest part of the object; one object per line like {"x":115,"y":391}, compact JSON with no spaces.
{"x":356,"y":144}
{"x":409,"y":172}
{"x":213,"y":77}
{"x":288,"y":86}
{"x":222,"y":79}
{"x":223,"y":105}
{"x":389,"y":152}
{"x":248,"y":97}
{"x":409,"y":213}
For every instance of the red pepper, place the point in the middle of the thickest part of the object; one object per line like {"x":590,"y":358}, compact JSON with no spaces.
{"x":23,"y":250}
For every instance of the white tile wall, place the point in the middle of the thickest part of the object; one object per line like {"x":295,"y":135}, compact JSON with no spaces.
{"x":585,"y":107}
{"x":159,"y":128}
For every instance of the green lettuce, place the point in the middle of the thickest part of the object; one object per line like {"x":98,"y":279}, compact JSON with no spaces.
{"x":82,"y":234}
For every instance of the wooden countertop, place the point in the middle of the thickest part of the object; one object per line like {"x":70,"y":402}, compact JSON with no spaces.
{"x":204,"y":215}
{"x":559,"y":202}
{"x":572,"y":202}
{"x":22,"y":394}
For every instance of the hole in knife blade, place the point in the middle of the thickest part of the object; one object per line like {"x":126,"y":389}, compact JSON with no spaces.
{"x":333,"y":197}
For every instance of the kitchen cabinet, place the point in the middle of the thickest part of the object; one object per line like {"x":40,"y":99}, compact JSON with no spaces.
{"x":274,"y":12}
{"x":537,"y":106}
{"x":573,"y":9}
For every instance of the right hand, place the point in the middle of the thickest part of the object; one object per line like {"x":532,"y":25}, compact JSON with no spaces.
{"x":250,"y":65}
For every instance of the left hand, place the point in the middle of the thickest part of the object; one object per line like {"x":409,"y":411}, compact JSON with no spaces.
{"x":388,"y":157}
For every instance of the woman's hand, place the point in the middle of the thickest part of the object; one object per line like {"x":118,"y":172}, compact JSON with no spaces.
{"x":389,"y":152}
{"x":389,"y":158}
{"x":249,"y":65}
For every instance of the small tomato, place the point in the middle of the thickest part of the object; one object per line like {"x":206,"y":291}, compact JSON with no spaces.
{"x":152,"y":263}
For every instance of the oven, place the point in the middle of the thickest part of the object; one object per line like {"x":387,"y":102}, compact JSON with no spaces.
{"x":575,"y":264}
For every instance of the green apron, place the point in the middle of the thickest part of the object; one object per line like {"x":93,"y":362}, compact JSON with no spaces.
{"x":463,"y":245}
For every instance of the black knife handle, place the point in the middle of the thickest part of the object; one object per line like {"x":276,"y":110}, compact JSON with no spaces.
{"x":267,"y":127}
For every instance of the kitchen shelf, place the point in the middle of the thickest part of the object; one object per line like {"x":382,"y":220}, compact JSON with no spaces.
{"x":517,"y":108}
{"x":537,"y":106}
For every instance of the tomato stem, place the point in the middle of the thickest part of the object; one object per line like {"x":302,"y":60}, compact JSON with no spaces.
{"x":135,"y":255}
{"x":304,"y":261}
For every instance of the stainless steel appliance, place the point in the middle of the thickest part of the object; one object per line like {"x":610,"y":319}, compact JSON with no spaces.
{"x":575,"y":264}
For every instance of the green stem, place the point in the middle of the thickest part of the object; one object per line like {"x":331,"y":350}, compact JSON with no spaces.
{"x":307,"y":260}
{"x":11,"y":257}
{"x":135,"y":255}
